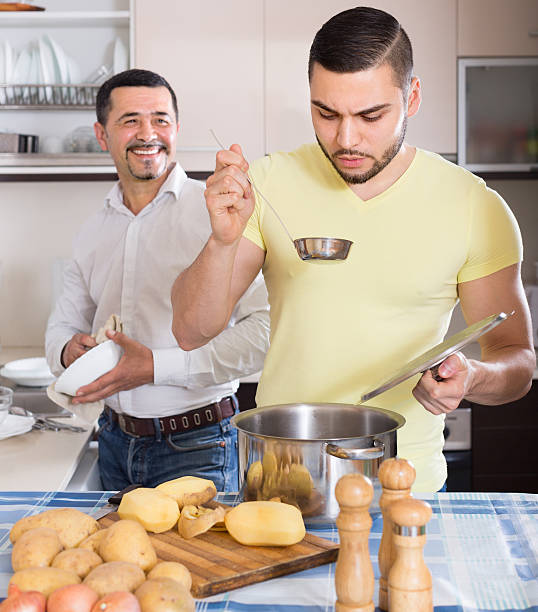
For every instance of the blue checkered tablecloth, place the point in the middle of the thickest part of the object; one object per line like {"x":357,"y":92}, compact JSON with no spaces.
{"x":482,"y":551}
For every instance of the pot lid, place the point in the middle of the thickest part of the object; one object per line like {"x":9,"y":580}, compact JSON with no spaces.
{"x":439,"y":353}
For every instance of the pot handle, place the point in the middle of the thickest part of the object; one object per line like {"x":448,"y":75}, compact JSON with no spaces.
{"x":374,"y":452}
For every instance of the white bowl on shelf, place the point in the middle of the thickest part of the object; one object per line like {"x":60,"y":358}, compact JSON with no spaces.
{"x":97,"y":361}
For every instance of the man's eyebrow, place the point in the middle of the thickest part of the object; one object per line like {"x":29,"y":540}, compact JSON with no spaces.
{"x":135,"y":114}
{"x":366,"y":111}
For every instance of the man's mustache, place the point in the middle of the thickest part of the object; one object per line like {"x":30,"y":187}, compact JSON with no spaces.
{"x":350,"y":153}
{"x":139,"y":144}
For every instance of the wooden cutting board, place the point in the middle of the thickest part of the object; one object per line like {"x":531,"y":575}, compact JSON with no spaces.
{"x":218,"y":563}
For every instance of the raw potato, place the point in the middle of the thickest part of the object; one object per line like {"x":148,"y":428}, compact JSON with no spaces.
{"x":43,"y":579}
{"x":72,"y":525}
{"x":35,"y":548}
{"x":265,"y":523}
{"x":114,"y":576}
{"x":94,"y":541}
{"x":78,"y":560}
{"x":164,"y":595}
{"x":174,"y":570}
{"x":128,"y":541}
{"x":194,"y":520}
{"x":189,"y":490}
{"x":156,"y":511}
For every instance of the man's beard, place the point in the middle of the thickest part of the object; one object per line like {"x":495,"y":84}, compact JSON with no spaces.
{"x":389,"y":154}
{"x":149,"y":172}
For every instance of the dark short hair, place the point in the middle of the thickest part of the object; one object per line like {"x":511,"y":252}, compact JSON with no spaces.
{"x":362,"y":38}
{"x":129,"y":78}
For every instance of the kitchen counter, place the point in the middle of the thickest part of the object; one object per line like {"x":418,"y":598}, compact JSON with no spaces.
{"x":481,"y":550}
{"x":40,"y":460}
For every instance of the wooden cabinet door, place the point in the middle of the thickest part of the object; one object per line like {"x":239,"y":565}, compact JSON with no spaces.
{"x":211,"y":52}
{"x":497,"y":28}
{"x":289,"y":30}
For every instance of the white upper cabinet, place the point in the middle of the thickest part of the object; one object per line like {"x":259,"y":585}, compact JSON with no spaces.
{"x":211,"y":52}
{"x":289,"y":30}
{"x":497,"y":28}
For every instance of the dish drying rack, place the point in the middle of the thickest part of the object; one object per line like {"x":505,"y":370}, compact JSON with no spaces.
{"x":50,"y":96}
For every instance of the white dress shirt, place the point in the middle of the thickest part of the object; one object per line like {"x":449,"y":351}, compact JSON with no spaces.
{"x":126,"y":264}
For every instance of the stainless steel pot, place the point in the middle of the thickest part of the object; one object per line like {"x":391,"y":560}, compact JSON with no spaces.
{"x":298,"y":452}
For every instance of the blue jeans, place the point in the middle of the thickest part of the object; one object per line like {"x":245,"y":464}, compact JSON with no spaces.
{"x":208,"y":452}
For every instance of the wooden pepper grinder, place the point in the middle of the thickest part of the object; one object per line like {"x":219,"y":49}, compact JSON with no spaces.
{"x":396,"y":477}
{"x":410,"y":581}
{"x":354,"y":574}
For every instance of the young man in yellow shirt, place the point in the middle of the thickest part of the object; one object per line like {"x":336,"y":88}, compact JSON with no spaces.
{"x":426,"y":233}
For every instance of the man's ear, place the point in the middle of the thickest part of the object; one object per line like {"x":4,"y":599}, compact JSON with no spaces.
{"x":100,"y":134}
{"x":414,"y":98}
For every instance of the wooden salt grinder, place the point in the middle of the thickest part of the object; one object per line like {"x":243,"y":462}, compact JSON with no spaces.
{"x":410,"y":581}
{"x":396,"y":477}
{"x":354,"y":574}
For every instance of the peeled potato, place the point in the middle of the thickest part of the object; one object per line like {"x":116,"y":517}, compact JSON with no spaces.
{"x":128,"y":541}
{"x":175,"y":571}
{"x":43,"y":579}
{"x":265,"y":523}
{"x":115,"y":576}
{"x":78,"y":560}
{"x":72,"y":525}
{"x":189,"y":490}
{"x":164,"y":595}
{"x":300,"y":479}
{"x":35,"y":548}
{"x":156,"y":511}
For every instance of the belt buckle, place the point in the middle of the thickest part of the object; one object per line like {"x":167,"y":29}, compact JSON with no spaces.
{"x":123,"y":426}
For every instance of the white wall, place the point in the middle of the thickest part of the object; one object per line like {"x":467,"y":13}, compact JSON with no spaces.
{"x":37,"y":224}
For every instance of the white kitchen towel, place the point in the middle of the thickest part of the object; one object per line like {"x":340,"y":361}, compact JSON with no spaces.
{"x":88,"y":412}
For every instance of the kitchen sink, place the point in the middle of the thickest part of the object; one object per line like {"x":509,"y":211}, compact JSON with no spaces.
{"x":37,"y":402}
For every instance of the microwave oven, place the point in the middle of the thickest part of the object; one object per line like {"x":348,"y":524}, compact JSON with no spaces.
{"x":498,"y":114}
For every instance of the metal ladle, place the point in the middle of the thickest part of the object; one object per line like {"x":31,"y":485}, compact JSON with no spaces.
{"x":317,"y":248}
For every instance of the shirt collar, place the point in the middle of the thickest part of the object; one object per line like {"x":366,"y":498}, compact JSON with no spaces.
{"x":173,"y":184}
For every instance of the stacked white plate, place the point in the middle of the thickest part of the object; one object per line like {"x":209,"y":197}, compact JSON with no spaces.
{"x":33,"y":372}
{"x":14,"y":425}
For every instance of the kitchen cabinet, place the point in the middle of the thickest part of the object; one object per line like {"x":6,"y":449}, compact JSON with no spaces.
{"x":431,"y":27}
{"x":497,"y":28}
{"x":504,"y":445}
{"x":212,"y":54}
{"x":84,"y":39}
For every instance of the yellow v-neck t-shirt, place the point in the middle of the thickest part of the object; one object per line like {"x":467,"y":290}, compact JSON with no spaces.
{"x":340,"y":328}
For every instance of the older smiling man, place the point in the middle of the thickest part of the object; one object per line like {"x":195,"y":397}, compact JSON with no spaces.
{"x":426,"y":233}
{"x":167,"y":412}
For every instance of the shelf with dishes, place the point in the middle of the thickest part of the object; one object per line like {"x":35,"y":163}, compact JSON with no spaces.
{"x":38,"y":96}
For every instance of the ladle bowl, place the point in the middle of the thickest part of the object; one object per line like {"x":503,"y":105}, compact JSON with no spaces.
{"x":322,"y":248}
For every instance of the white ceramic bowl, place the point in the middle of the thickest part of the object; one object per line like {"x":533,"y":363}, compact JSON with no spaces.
{"x":32,"y":372}
{"x":97,"y":361}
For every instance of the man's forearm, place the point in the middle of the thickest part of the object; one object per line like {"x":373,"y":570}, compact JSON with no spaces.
{"x":503,"y":376}
{"x":201,"y":296}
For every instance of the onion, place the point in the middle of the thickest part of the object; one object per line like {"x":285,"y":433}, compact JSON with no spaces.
{"x":72,"y":598}
{"x":23,"y":601}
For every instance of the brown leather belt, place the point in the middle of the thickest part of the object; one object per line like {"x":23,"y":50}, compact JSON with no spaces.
{"x":178,"y":423}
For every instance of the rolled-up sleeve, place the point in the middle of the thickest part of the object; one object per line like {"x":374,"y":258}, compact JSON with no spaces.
{"x":240,"y":349}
